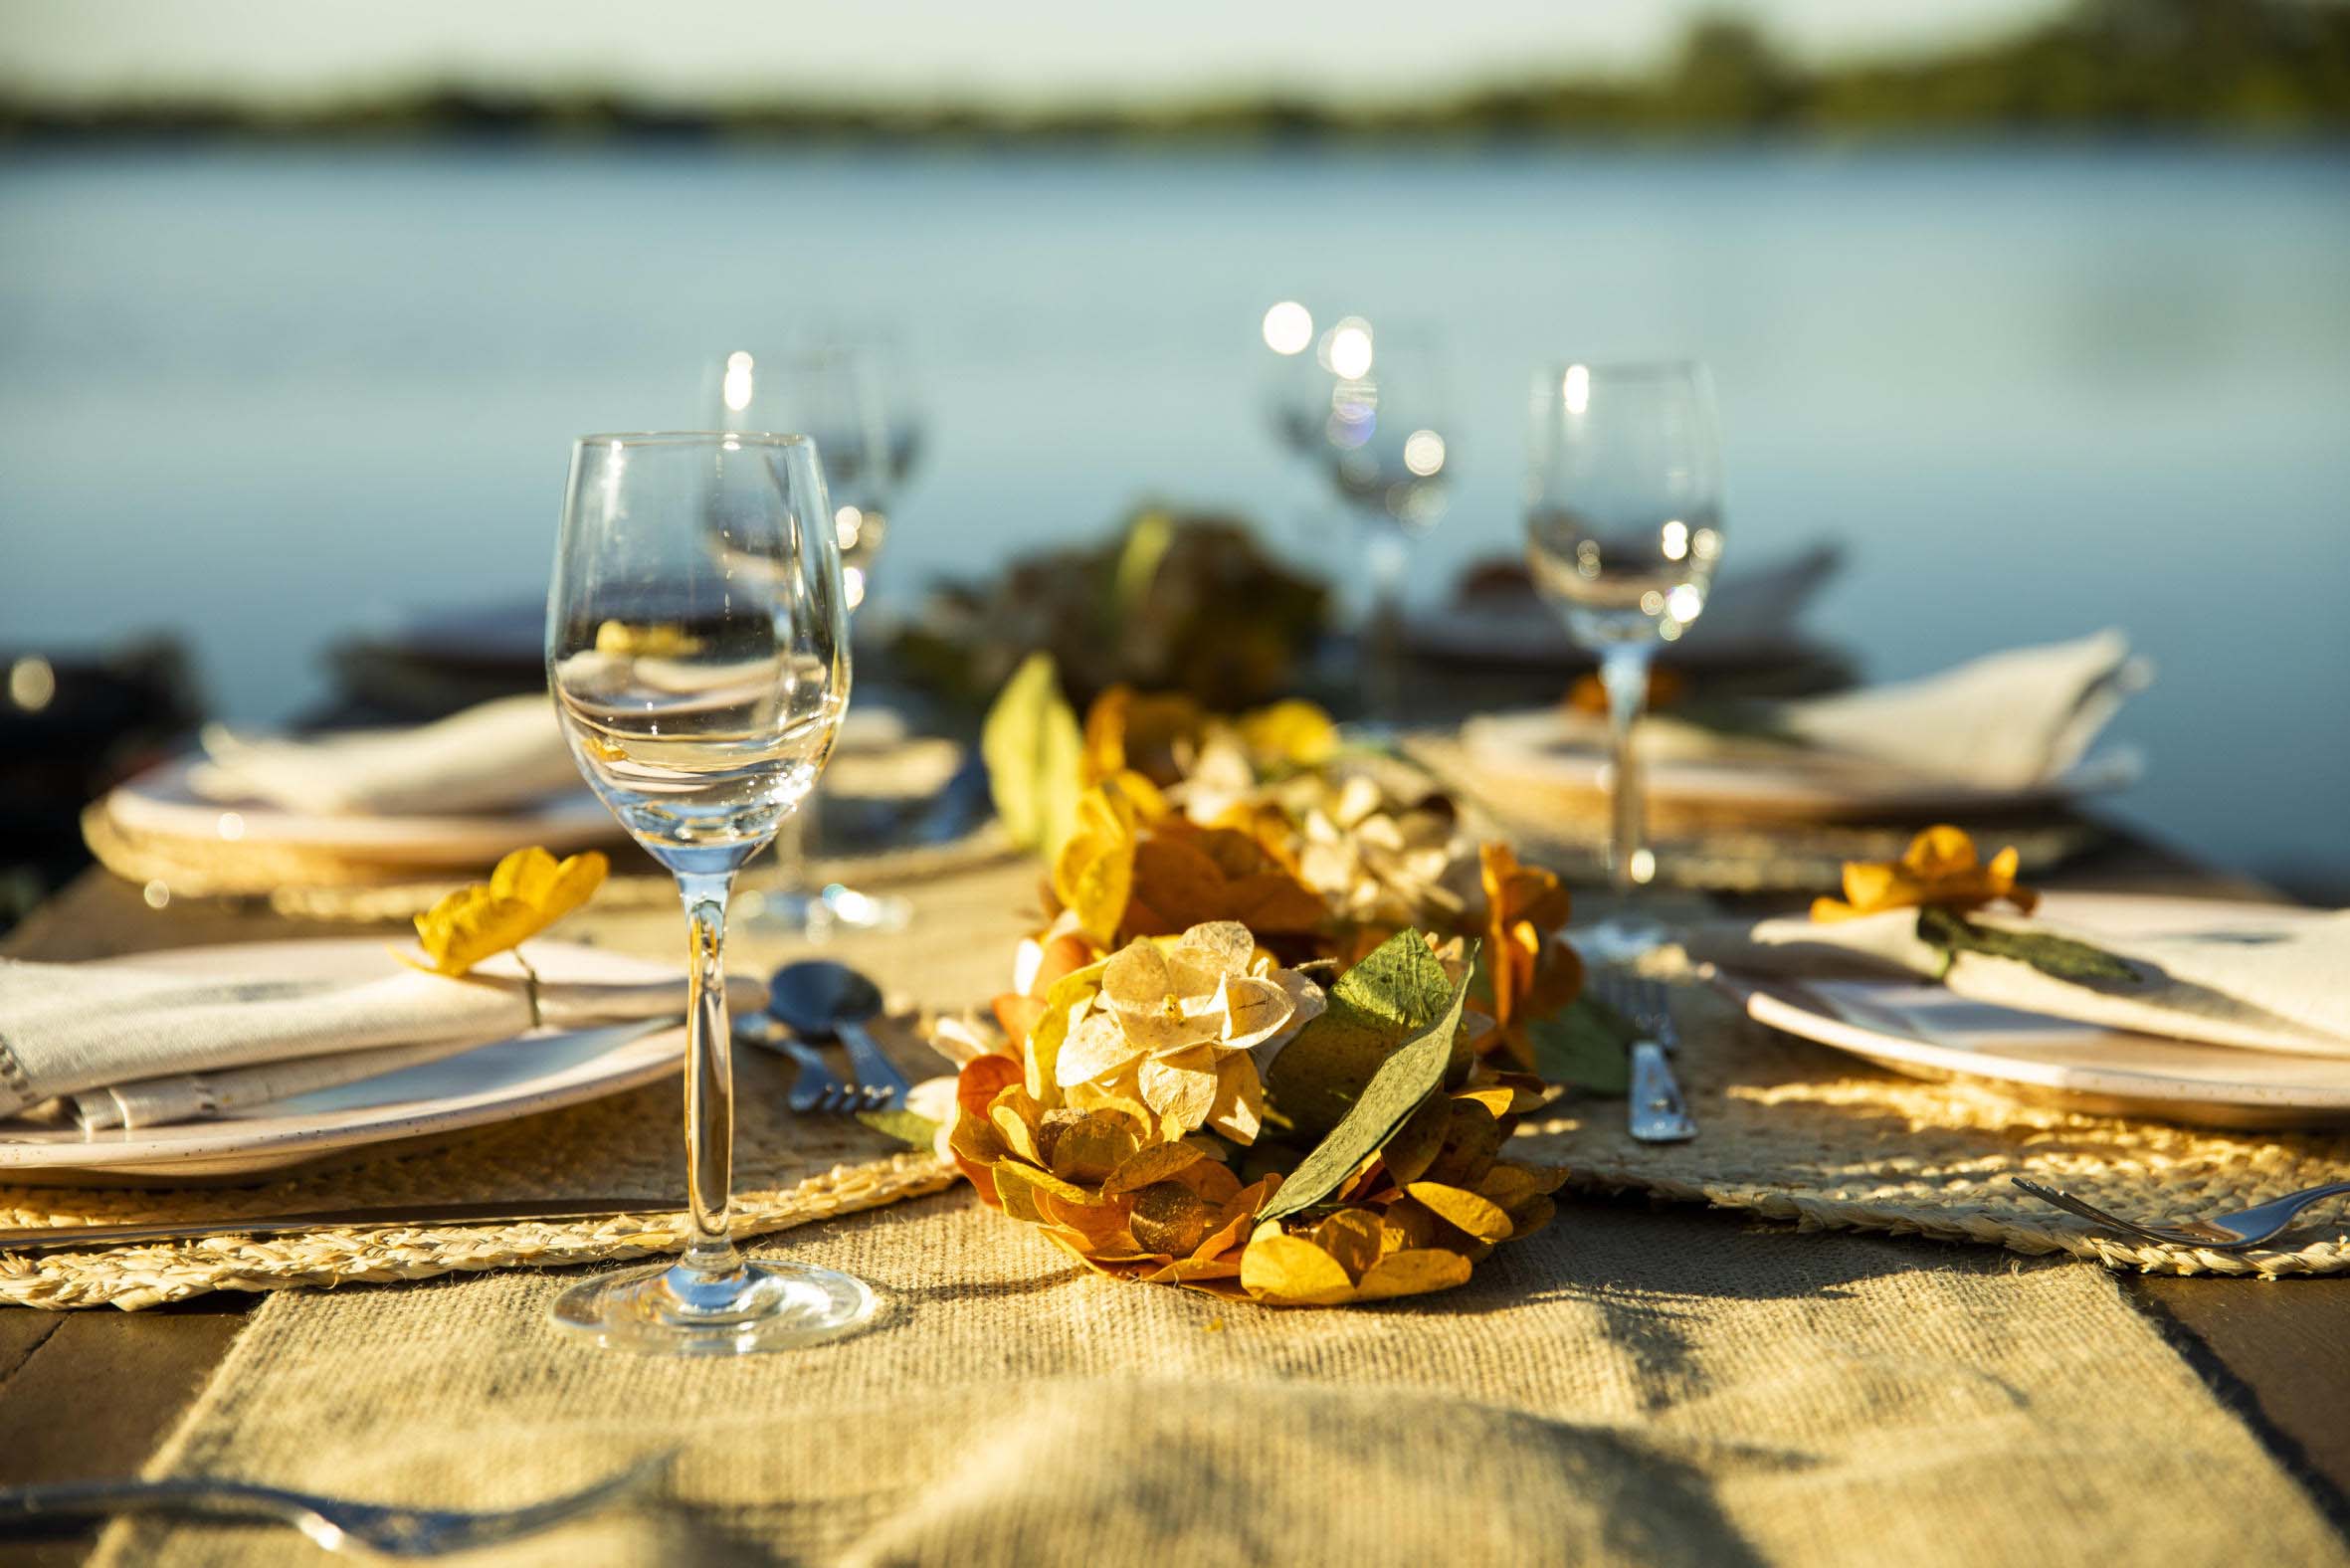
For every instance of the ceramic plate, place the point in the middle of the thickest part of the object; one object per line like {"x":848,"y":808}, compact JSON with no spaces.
{"x":1928,"y":1032}
{"x":544,"y":1070}
{"x":161,"y":802}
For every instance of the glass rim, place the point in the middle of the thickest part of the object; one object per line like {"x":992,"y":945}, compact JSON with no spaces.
{"x":692,"y":438}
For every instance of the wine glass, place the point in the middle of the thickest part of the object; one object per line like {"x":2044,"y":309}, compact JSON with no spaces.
{"x":851,"y":397}
{"x":1385,"y":449}
{"x":1624,"y":531}
{"x":697,"y":650}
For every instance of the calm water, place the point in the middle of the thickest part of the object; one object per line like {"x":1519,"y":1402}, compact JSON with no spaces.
{"x":262,"y":396}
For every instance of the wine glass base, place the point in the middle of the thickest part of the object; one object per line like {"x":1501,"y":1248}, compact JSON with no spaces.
{"x":1618,"y":938}
{"x":827,"y":912}
{"x":666,"y":1310}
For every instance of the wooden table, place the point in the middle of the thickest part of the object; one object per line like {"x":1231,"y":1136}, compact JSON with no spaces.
{"x":94,"y":1393}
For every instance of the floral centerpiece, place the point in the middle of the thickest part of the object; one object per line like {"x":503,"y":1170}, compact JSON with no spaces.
{"x":1282,"y":1016}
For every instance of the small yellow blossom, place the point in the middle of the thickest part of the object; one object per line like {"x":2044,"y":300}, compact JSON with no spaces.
{"x":1940,"y":868}
{"x":528,"y":892}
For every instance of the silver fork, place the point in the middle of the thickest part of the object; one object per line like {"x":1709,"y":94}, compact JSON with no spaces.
{"x":2225,"y":1232}
{"x":1656,"y":1112}
{"x":332,"y":1522}
{"x":818,"y":1089}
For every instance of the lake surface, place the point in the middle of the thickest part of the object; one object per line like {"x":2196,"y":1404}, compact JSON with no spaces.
{"x":264,"y":395}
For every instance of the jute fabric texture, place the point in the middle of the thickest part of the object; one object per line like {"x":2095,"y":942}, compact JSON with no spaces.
{"x":1791,"y":1131}
{"x":1599,"y":1393}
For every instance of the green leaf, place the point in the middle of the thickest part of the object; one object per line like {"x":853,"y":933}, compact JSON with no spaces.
{"x":1412,"y":1071}
{"x":2057,"y":956}
{"x":1146,"y":544}
{"x":1400,"y":980}
{"x":1031,"y":746}
{"x":908,"y":1128}
{"x":1586,"y":1044}
{"x":1373,"y":1008}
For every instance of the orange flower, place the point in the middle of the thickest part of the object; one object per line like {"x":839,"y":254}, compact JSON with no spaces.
{"x":1153,"y":734}
{"x":1533,"y":973}
{"x":1940,"y":868}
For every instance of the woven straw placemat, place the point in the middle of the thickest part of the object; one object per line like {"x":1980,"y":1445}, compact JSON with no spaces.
{"x":1796,"y":1131}
{"x":788,"y":1170}
{"x":1790,"y":1130}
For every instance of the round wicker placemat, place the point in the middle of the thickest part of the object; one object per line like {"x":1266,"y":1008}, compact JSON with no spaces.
{"x":788,"y":1170}
{"x":1793,"y":1130}
{"x":1790,"y":1130}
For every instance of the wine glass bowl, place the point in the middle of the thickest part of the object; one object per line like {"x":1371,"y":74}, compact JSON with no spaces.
{"x":1624,"y":531}
{"x":851,"y":399}
{"x":697,"y":653}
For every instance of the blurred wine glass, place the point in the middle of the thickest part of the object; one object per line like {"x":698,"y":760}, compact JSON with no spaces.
{"x":1386,"y":450}
{"x":698,"y":650}
{"x":1624,"y":531}
{"x":1367,"y":408}
{"x":852,"y":398}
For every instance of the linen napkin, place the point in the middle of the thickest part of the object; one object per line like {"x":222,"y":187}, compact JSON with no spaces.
{"x":498,"y":755}
{"x":2262,"y":979}
{"x":165,"y":1037}
{"x":2008,"y":720}
{"x":494,"y":757}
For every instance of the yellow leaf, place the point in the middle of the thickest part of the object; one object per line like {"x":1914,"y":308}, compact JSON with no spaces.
{"x":1413,"y":1272}
{"x":1156,"y":1163}
{"x":1465,"y":1210}
{"x":1289,"y":1270}
{"x":1351,"y":1236}
{"x":1294,"y":732}
{"x":1090,"y":1147}
{"x":1170,"y":1217}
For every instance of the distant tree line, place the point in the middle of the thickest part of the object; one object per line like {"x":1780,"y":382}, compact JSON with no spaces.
{"x":2171,"y":67}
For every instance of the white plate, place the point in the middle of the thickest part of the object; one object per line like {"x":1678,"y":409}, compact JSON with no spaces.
{"x":1928,"y":1032}
{"x":1528,"y":749}
{"x":161,"y":801}
{"x":544,"y":1070}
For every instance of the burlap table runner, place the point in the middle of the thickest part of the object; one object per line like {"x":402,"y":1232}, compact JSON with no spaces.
{"x":1599,"y":1393}
{"x":1791,"y":1131}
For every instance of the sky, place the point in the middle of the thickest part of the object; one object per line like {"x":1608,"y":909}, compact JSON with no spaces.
{"x":1030,"y":53}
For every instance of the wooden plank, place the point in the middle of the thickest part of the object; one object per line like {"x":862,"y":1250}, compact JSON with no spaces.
{"x":2276,"y":1351}
{"x":95,"y":1396}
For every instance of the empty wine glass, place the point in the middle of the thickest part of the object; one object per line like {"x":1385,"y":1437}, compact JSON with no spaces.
{"x":853,"y":400}
{"x":1384,"y":447}
{"x":852,"y":397}
{"x":1624,"y":531}
{"x":697,"y":650}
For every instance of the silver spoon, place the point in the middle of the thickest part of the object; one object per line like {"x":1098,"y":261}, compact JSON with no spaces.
{"x":821,"y":1001}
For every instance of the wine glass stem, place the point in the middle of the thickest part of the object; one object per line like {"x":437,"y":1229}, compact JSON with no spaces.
{"x":709,"y":1080}
{"x":1383,"y":630}
{"x":1623,"y":671}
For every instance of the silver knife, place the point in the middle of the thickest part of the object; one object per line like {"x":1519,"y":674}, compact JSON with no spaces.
{"x":52,"y":1238}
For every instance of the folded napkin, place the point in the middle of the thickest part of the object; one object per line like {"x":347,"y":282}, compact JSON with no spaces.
{"x":487,"y":758}
{"x":2009,"y":721}
{"x":2265,"y":980}
{"x":169,"y":1037}
{"x":494,"y":757}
